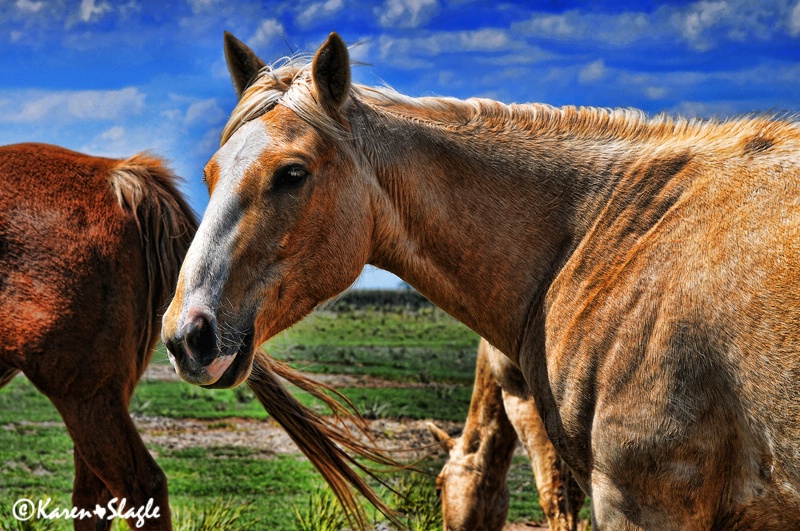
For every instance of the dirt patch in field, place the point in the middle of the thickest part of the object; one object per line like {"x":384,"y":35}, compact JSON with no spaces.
{"x":160,"y":373}
{"x":264,"y":439}
{"x":525,"y":526}
{"x":267,"y":437}
{"x":165,"y":373}
{"x":406,"y":439}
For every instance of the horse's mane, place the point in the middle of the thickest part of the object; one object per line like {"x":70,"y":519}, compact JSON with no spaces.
{"x":148,"y":190}
{"x":289,"y":83}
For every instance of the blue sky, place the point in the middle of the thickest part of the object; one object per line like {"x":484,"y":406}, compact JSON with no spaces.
{"x":114,"y":78}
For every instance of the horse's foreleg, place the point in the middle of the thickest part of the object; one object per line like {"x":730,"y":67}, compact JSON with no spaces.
{"x":575,"y":499}
{"x":107,"y":441}
{"x":551,"y":482}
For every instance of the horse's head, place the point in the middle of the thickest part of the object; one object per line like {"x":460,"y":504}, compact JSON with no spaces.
{"x":473,"y":495}
{"x":288,"y":223}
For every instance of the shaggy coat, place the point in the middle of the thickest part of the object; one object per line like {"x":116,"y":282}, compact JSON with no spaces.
{"x":641,"y":273}
{"x":90,"y":250}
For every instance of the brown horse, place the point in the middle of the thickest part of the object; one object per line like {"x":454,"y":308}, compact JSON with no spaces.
{"x":90,"y":250}
{"x":472,"y":484}
{"x":640,"y":272}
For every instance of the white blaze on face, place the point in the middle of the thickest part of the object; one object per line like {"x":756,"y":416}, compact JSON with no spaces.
{"x":207,"y":262}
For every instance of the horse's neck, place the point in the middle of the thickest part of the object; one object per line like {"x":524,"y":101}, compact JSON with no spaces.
{"x":479,"y":219}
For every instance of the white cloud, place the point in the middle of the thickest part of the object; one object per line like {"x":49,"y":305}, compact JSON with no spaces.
{"x":619,"y":30}
{"x":696,"y":22}
{"x":119,"y":142}
{"x":204,"y":5}
{"x":702,"y":24}
{"x":705,"y":109}
{"x":130,"y":8}
{"x":204,"y":112}
{"x":89,"y":9}
{"x":701,"y":16}
{"x":555,"y":26}
{"x":794,"y":21}
{"x":114,"y":134}
{"x":71,"y":106}
{"x":422,"y":51}
{"x":319,"y":12}
{"x":651,"y":83}
{"x":406,"y":13}
{"x":268,"y":33}
{"x":518,"y":55}
{"x":360,"y":51}
{"x":30,"y":6}
{"x":484,"y":40}
{"x":487,"y":39}
{"x":594,"y":71}
{"x":655,"y":93}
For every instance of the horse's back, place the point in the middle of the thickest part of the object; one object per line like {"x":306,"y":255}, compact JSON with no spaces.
{"x":70,"y":264}
{"x":59,"y":222}
{"x":680,"y":316}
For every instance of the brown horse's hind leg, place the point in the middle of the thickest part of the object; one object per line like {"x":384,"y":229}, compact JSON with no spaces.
{"x":89,"y":491}
{"x":7,"y":374}
{"x":106,"y":439}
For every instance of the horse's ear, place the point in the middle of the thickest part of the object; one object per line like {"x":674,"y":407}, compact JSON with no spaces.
{"x":442,"y":438}
{"x":331,"y":72}
{"x":243,"y":64}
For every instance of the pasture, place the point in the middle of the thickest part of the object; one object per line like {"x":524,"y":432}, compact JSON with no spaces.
{"x":400,"y":360}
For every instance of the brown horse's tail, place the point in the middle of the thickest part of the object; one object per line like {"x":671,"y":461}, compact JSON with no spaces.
{"x":144,"y":187}
{"x":324,"y":442}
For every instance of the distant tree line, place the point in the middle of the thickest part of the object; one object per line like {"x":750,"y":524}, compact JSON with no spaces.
{"x":358,"y":299}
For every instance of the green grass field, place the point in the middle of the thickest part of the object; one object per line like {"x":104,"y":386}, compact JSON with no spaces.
{"x":399,"y":348}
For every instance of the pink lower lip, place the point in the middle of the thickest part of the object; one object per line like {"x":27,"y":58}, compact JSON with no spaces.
{"x":217,"y":368}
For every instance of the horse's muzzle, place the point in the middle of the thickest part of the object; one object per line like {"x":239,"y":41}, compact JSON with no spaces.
{"x":194,"y":350}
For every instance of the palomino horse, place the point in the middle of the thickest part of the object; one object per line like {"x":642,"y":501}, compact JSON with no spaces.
{"x":640,"y":272}
{"x":472,"y":484}
{"x":90,"y":249}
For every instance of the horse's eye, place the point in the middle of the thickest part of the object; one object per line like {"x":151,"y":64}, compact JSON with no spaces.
{"x":289,"y":177}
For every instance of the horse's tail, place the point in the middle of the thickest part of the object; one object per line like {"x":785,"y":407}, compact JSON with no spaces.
{"x":323,"y":441}
{"x":147,"y":189}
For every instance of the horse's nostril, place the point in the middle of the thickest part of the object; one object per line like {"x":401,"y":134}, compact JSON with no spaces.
{"x":199,"y":335}
{"x":175,"y":347}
